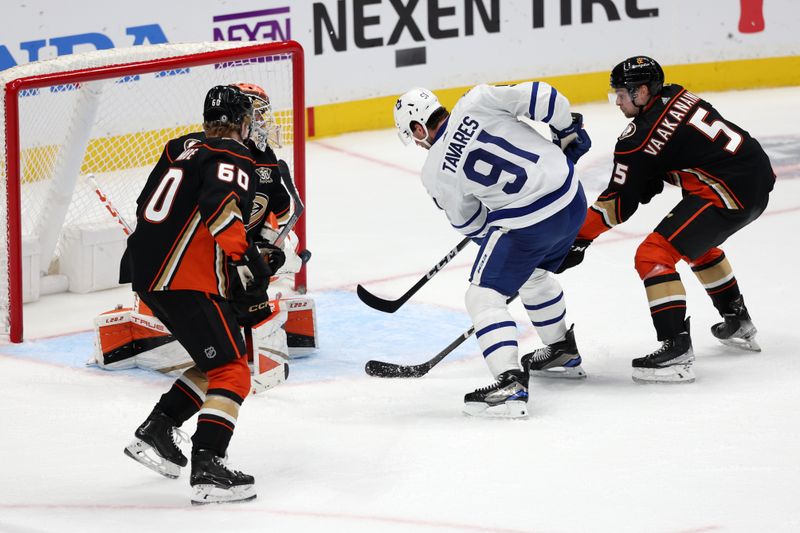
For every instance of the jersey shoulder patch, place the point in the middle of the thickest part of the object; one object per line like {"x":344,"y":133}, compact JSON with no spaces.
{"x":629,"y":130}
{"x":264,"y":174}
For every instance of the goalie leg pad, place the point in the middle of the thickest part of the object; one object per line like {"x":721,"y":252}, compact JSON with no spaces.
{"x":270,"y":351}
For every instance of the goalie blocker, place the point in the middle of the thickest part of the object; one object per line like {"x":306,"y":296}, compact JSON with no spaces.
{"x":134,"y":338}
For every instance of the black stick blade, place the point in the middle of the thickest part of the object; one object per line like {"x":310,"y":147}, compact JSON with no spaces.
{"x":382,"y":369}
{"x":387,"y":306}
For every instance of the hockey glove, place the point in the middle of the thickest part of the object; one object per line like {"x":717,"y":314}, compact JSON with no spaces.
{"x":253,"y":271}
{"x":273,"y":255}
{"x":252,"y":305}
{"x":573,"y":140}
{"x":651,"y":188}
{"x":575,"y":255}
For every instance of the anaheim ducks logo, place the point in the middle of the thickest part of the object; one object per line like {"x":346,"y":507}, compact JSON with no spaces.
{"x":188,"y":143}
{"x":258,"y":211}
{"x":629,"y":130}
{"x":264,"y":174}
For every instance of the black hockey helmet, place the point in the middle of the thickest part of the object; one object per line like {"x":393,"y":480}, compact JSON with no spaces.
{"x":226,"y":104}
{"x":636,"y":71}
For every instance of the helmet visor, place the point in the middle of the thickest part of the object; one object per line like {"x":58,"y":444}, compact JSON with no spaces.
{"x":620,"y":97}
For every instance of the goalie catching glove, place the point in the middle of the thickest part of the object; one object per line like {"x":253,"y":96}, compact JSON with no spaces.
{"x":573,"y":140}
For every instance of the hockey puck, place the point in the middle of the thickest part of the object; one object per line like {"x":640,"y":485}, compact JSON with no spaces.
{"x":304,"y":256}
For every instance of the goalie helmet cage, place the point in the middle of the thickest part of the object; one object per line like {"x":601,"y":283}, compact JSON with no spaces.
{"x":107,"y":115}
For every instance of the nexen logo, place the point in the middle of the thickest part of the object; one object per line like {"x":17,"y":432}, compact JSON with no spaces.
{"x":369,"y":30}
{"x":66,"y":45}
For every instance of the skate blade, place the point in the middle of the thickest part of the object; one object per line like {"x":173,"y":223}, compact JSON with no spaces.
{"x":560,"y":372}
{"x":749,"y":345}
{"x":146,"y":455}
{"x":511,"y":409}
{"x":682,"y":373}
{"x":208,"y":493}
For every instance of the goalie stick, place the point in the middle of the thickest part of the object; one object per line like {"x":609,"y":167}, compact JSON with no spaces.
{"x":384,"y":369}
{"x":390,"y":306}
{"x":126,"y":228}
{"x":286,"y":177}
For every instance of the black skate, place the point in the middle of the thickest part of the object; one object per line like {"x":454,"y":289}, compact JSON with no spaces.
{"x":737,"y":330}
{"x":672,"y":363}
{"x":213,"y":482}
{"x":559,"y":360}
{"x":155,"y":446}
{"x":508,"y":398}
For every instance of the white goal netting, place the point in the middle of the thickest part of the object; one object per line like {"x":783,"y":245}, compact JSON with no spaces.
{"x":112,"y":127}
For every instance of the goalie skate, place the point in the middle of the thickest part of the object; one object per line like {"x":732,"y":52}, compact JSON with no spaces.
{"x":559,"y":360}
{"x":507,"y":398}
{"x":213,"y":482}
{"x":737,"y":330}
{"x":155,"y":446}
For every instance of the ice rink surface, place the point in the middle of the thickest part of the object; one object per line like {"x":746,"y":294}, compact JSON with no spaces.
{"x":336,"y":450}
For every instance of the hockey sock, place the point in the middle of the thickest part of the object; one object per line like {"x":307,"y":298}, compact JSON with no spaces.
{"x":667,"y":298}
{"x":544,"y":301}
{"x":716,"y":275}
{"x":185,"y":396}
{"x":216,"y":421}
{"x":494,"y":327}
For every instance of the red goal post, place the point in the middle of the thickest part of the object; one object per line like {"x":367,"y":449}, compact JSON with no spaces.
{"x":103,"y":118}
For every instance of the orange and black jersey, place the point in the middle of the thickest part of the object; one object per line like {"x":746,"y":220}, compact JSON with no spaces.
{"x":191,"y":217}
{"x":270,"y":194}
{"x":681,"y":139}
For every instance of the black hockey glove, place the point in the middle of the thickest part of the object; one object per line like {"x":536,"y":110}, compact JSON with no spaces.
{"x":573,"y":140}
{"x":252,"y":304}
{"x":273,"y":255}
{"x":575,"y":255}
{"x":651,"y":188}
{"x":253,"y":271}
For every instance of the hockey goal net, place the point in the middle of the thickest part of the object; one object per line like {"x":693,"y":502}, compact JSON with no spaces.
{"x":100,"y":120}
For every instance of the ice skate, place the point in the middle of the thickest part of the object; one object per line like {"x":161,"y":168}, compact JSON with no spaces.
{"x":737,"y":330}
{"x":559,"y":360}
{"x":213,"y":482}
{"x":672,"y":363}
{"x":507,"y":398}
{"x":155,"y":445}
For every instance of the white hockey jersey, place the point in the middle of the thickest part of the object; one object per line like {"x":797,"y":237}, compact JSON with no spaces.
{"x":487,"y":168}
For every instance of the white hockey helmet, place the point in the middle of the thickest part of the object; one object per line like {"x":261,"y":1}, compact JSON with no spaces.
{"x":416,"y":105}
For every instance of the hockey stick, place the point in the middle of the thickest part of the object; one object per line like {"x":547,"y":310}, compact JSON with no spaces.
{"x":286,"y":177}
{"x":108,"y":205}
{"x":390,"y":306}
{"x":383,"y":369}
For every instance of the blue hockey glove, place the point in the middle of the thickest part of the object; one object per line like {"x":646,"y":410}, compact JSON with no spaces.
{"x":573,"y":140}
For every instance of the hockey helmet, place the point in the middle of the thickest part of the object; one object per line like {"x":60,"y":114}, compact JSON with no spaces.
{"x":226,"y":104}
{"x":636,"y":71}
{"x":416,"y":105}
{"x":263,"y":128}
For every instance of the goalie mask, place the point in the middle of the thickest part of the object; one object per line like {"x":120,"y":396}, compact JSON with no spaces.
{"x":417,"y":105}
{"x":264,"y":130}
